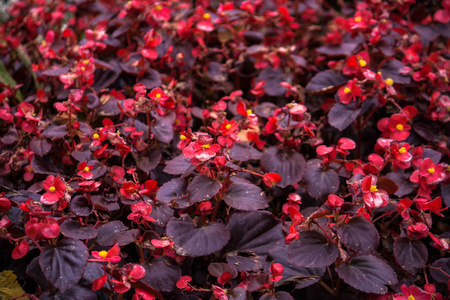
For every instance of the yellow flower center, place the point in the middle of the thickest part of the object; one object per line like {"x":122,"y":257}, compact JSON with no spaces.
{"x":358,"y":19}
{"x":86,"y":169}
{"x":30,"y":169}
{"x":402,"y":150}
{"x":182,"y":137}
{"x":205,"y":147}
{"x":159,"y":7}
{"x":158,"y":95}
{"x":431,"y":170}
{"x":44,"y":43}
{"x":103,"y":253}
{"x":177,"y":121}
{"x":95,"y":136}
{"x":249,"y":112}
{"x":411,"y":297}
{"x":362,"y":62}
{"x":389,"y":81}
{"x":347,"y":90}
{"x":86,"y":61}
{"x":228,"y":126}
{"x":83,"y":69}
{"x":399,"y":127}
{"x":206,"y":16}
{"x":52,"y":189}
{"x":373,"y":188}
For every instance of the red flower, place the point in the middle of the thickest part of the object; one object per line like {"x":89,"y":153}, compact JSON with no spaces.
{"x":298,"y":112}
{"x":293,"y":235}
{"x":326,"y":153}
{"x":241,"y":109}
{"x":94,"y":36}
{"x":121,"y":287}
{"x":130,"y":190}
{"x":183,"y":283}
{"x":89,"y":186}
{"x":45,"y":47}
{"x":203,"y":20}
{"x":395,"y":127}
{"x":418,"y":230}
{"x":433,"y":173}
{"x":85,"y":171}
{"x":254,"y":137}
{"x":152,"y":39}
{"x":38,"y":229}
{"x":349,"y":92}
{"x":20,"y":250}
{"x":402,"y":158}
{"x":258,"y":90}
{"x":5,"y":203}
{"x":271,"y":179}
{"x":160,"y":13}
{"x":134,"y":272}
{"x":434,"y":206}
{"x":362,"y":21}
{"x":158,"y":95}
{"x":99,"y":283}
{"x":277,"y":270}
{"x":335,"y":201}
{"x":55,"y":188}
{"x":294,"y":200}
{"x":117,"y":173}
{"x":345,"y":144}
{"x":29,"y":173}
{"x":150,"y":187}
{"x":201,"y":150}
{"x":412,"y":292}
{"x":140,"y":210}
{"x":403,"y":208}
{"x":27,"y":111}
{"x":112,"y":255}
{"x":372,"y":196}
{"x":228,"y":127}
{"x":412,"y":53}
{"x":142,"y":294}
{"x":356,"y":64}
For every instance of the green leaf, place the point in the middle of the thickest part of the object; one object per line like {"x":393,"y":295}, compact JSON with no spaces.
{"x":6,"y":79}
{"x":9,"y":287}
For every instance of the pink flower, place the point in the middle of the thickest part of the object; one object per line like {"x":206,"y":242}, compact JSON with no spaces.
{"x":158,"y":95}
{"x":372,"y":196}
{"x":418,"y":230}
{"x":402,"y":156}
{"x":112,"y":255}
{"x":395,"y":127}
{"x":412,"y":292}
{"x":55,"y":188}
{"x":433,"y":173}
{"x":140,"y":210}
{"x":201,"y":150}
{"x":85,"y":171}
